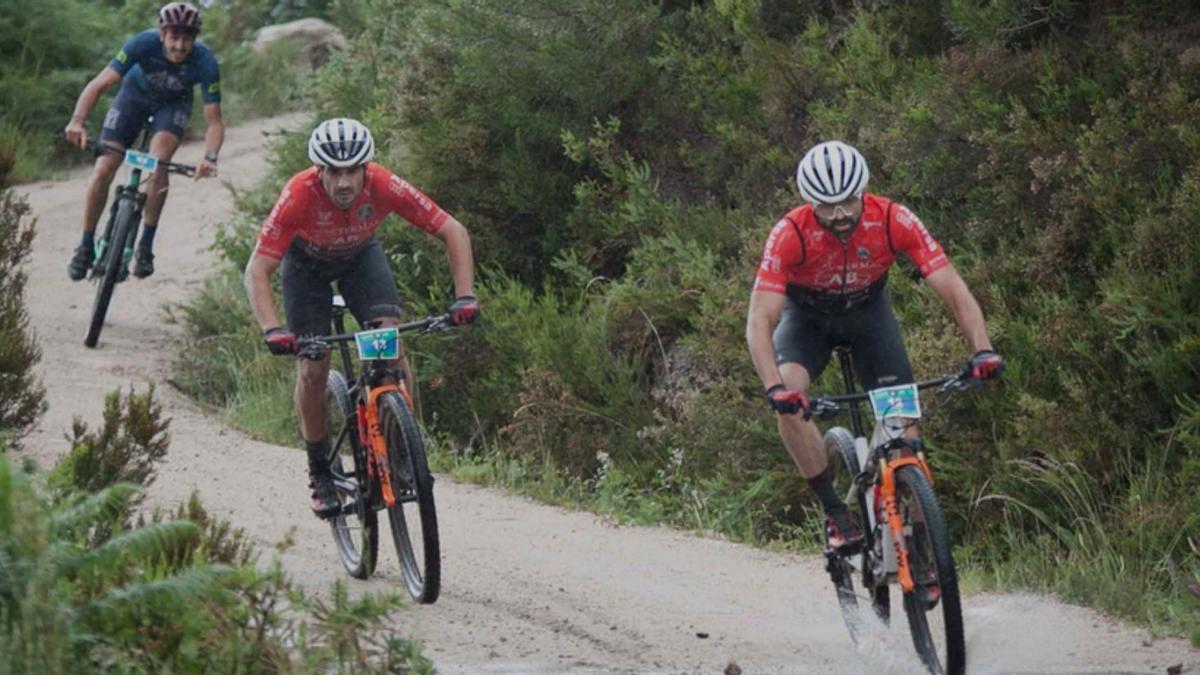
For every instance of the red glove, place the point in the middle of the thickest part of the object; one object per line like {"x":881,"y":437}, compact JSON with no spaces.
{"x":280,"y":341}
{"x":985,"y":365}
{"x":786,"y":401}
{"x":464,"y":310}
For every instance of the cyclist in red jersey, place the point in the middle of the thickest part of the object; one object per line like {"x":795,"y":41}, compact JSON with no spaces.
{"x":821,"y":284}
{"x":321,"y":232}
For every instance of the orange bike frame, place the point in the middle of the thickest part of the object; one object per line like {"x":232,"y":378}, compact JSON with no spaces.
{"x":370,"y":436}
{"x":895,"y":524}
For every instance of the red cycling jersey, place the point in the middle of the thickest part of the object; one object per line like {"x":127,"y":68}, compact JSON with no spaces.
{"x":806,"y":262}
{"x":304,"y":211}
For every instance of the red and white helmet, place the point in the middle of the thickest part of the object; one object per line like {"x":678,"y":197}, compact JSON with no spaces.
{"x":182,"y":15}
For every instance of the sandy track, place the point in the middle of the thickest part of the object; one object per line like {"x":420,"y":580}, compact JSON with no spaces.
{"x":527,"y":588}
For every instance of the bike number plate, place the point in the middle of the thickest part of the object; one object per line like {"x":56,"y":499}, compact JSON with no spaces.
{"x":141,"y":160}
{"x":376,"y":345}
{"x":899,"y":401}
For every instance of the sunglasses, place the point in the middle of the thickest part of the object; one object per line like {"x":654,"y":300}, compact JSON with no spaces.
{"x":844,"y":209}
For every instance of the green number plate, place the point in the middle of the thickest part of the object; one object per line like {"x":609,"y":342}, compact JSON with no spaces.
{"x":376,"y":345}
{"x":900,"y":401}
{"x":140,"y":160}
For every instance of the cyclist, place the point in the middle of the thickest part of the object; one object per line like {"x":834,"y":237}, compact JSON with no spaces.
{"x":157,"y":70}
{"x":820,"y":284}
{"x":322,"y":230}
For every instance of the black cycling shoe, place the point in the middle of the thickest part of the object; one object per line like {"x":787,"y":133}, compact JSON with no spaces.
{"x":842,"y":534}
{"x":81,"y":262}
{"x":325,"y":502}
{"x":143,"y":263}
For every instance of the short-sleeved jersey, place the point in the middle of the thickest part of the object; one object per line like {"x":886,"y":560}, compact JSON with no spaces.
{"x":806,"y":262}
{"x":304,"y":212}
{"x":142,"y":60}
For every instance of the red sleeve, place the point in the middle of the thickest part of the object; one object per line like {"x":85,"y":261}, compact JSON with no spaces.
{"x":282,"y":222}
{"x":910,"y":236}
{"x":781,"y":251}
{"x":411,"y":204}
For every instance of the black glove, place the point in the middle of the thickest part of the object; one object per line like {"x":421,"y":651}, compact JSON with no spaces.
{"x":985,"y":365}
{"x":280,"y":341}
{"x":464,"y":310}
{"x":786,"y":401}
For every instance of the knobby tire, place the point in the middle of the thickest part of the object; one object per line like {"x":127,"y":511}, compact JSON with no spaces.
{"x":411,"y":482}
{"x":355,"y":529}
{"x":114,"y":260}
{"x":911,"y":482}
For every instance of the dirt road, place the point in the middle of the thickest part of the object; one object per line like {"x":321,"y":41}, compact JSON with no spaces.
{"x":527,"y":588}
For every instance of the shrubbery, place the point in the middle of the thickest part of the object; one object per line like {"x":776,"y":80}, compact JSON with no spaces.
{"x":21,"y":396}
{"x":87,"y":584}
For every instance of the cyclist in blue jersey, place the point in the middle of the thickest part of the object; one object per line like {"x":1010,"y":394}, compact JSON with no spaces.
{"x":158,"y":69}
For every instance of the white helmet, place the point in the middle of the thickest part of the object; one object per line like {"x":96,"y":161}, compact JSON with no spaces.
{"x":832,"y":172}
{"x":341,"y":142}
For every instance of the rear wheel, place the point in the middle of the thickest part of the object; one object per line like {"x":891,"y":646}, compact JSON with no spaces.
{"x":937,"y":627}
{"x":843,"y":458}
{"x":356,"y":526}
{"x":413,"y":518}
{"x":113,"y":259}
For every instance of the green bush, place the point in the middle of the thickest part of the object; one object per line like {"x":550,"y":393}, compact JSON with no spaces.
{"x":86,"y":584}
{"x":22,"y":398}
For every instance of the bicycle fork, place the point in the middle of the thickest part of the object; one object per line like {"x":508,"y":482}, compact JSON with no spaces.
{"x":370,"y":434}
{"x":891,"y":510}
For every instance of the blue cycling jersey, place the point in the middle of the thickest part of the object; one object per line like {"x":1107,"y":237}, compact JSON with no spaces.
{"x":143,"y":61}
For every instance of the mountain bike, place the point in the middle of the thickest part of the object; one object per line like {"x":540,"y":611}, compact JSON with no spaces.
{"x":377,"y":455}
{"x":906,"y":542}
{"x":114,"y":247}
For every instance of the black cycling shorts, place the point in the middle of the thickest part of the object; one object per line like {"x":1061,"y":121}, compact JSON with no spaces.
{"x":131,"y":109}
{"x":807,"y":337}
{"x":364,"y":279}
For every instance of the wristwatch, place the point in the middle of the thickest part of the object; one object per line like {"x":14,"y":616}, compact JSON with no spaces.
{"x":211,"y":156}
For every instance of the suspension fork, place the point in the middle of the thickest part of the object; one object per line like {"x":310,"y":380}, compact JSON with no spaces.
{"x":887,"y":487}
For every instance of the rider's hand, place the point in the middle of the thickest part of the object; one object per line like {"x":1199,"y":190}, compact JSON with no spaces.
{"x":280,"y":341}
{"x":76,"y":134}
{"x":464,"y":310}
{"x":985,"y":365}
{"x":786,"y":401}
{"x":205,"y":169}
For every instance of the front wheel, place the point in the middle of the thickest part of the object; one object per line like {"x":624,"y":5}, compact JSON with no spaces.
{"x":937,"y":636}
{"x":113,"y":260}
{"x":413,"y":518}
{"x":356,"y":525}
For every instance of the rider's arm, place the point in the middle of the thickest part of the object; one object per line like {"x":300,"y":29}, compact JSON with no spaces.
{"x":214,"y":137}
{"x":458,"y":246}
{"x":949,"y":284}
{"x":765,"y":308}
{"x":257,"y":280}
{"x":86,"y":101}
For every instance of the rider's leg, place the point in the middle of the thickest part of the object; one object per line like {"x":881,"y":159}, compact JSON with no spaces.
{"x":310,"y":398}
{"x":163,"y":145}
{"x":97,"y":190}
{"x":97,"y":195}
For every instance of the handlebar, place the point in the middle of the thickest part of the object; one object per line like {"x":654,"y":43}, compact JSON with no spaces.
{"x":183,"y":169}
{"x":827,"y":407}
{"x":312,"y":347}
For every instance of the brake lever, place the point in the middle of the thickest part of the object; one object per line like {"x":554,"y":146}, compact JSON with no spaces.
{"x":313,"y":350}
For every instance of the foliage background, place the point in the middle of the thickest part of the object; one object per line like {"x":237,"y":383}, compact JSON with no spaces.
{"x":619,"y":163}
{"x":50,"y":50}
